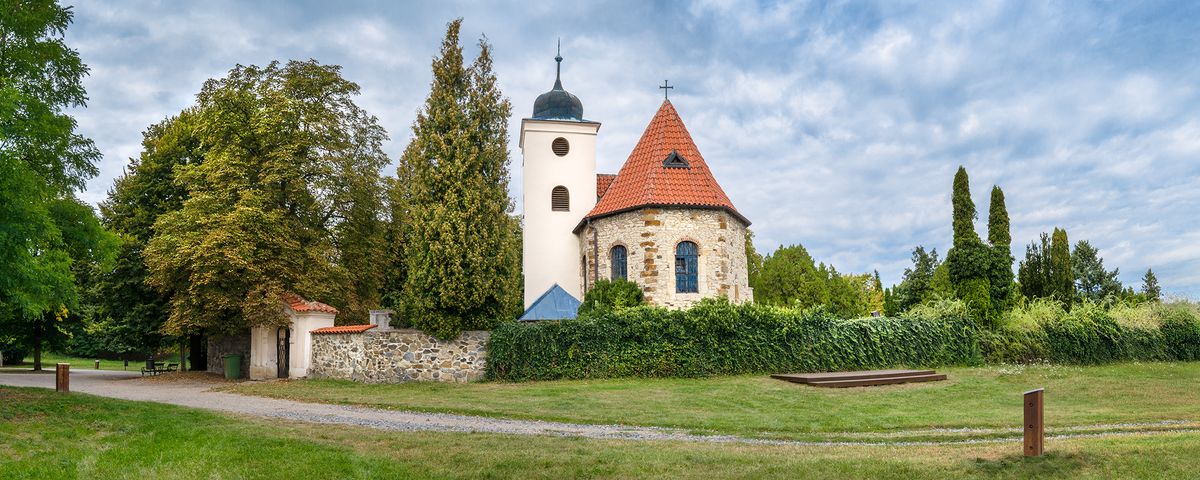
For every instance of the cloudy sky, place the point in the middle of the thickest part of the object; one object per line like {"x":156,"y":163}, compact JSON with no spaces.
{"x":834,"y":125}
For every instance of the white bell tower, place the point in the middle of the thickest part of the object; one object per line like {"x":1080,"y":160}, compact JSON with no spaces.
{"x":558,"y":152}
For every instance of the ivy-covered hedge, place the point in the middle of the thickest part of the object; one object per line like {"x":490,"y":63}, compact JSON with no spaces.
{"x":1091,"y":333}
{"x":715,"y":337}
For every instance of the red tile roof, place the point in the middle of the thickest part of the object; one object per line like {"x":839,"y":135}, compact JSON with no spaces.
{"x":299,"y":304}
{"x":645,"y":181}
{"x":603,"y":180}
{"x":343,"y":329}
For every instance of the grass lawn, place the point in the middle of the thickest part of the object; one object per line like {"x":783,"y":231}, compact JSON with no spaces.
{"x":50,"y":436}
{"x":984,"y":397}
{"x":49,"y":359}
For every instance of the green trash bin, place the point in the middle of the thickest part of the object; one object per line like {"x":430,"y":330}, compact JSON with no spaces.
{"x":233,"y":366}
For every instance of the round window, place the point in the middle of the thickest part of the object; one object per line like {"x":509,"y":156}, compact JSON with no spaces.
{"x":560,"y":146}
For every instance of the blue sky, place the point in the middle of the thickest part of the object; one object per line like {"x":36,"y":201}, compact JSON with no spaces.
{"x":834,"y":125}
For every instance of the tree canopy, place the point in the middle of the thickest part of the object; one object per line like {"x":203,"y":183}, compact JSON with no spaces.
{"x":290,"y":174}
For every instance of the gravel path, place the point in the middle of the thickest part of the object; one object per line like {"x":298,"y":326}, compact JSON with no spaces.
{"x":189,"y":392}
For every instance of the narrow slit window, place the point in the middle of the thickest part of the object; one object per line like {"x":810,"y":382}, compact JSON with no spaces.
{"x":560,"y":199}
{"x":686,"y":268}
{"x":619,"y":263}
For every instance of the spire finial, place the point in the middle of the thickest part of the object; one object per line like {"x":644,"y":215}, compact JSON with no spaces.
{"x":665,"y":86}
{"x":558,"y":68}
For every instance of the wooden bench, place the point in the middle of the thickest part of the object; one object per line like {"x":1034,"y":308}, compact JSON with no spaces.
{"x":156,"y":368}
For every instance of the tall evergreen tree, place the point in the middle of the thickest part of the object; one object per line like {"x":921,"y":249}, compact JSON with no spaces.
{"x":1150,"y":288}
{"x":970,"y":262}
{"x":1062,"y":276}
{"x":1034,"y":272}
{"x":457,"y":275}
{"x":1000,"y":276}
{"x":1092,"y":281}
{"x":964,"y":210}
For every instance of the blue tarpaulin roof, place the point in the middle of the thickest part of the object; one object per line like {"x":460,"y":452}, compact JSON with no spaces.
{"x":555,"y":304}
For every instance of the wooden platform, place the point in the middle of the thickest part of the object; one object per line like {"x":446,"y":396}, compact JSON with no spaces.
{"x":863,"y":378}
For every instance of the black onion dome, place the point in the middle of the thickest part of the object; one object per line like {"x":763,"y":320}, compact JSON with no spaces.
{"x":558,"y":104}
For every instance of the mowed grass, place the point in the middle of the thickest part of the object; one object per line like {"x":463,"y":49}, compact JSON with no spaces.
{"x":984,"y":397}
{"x":50,"y":359}
{"x":44,"y":435}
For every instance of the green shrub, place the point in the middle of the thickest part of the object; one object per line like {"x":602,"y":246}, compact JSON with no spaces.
{"x":1181,"y":329}
{"x":13,"y":350}
{"x":608,"y":295}
{"x":716,"y":337}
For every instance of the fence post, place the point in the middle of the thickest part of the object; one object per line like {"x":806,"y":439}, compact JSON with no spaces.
{"x":1035,"y":428}
{"x":97,"y":364}
{"x":62,"y":378}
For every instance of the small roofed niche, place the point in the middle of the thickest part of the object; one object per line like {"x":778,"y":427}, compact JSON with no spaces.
{"x":560,"y":146}
{"x":675,"y":160}
{"x":560,"y":199}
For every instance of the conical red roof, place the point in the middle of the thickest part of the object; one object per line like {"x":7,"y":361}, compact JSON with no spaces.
{"x":646,"y":180}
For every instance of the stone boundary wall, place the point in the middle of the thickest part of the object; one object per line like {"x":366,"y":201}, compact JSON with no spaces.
{"x":402,"y":355}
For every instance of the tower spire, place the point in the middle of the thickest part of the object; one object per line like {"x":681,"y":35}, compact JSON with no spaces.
{"x":558,"y":68}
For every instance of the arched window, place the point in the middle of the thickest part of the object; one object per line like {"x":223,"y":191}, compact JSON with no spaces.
{"x":618,"y":263}
{"x":560,"y":199}
{"x":686,"y":267}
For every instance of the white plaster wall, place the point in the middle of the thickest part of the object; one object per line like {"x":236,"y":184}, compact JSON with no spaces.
{"x":301,"y":348}
{"x":263,"y":355}
{"x":264,"y":358}
{"x":551,"y":250}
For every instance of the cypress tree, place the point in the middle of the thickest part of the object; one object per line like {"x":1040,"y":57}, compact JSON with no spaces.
{"x":1062,"y":277}
{"x":458,"y":268}
{"x":964,"y":210}
{"x":969,"y":261}
{"x":998,"y":229}
{"x":1000,"y":274}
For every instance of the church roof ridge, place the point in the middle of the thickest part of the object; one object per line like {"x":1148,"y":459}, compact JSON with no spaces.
{"x":664,"y":169}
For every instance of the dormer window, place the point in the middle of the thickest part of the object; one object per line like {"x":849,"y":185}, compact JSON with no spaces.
{"x":675,"y":160}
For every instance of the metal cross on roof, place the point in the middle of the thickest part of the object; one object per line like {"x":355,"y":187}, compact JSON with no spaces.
{"x":665,"y":86}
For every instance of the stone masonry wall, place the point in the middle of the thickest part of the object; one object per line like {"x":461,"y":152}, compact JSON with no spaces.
{"x":392,"y":356}
{"x":650,"y":236}
{"x":221,"y":345}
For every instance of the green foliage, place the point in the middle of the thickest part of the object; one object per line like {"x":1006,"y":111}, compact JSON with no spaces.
{"x":917,"y":284}
{"x":789,"y":277}
{"x":964,"y":210}
{"x":611,"y":295}
{"x":289,"y":176}
{"x":1150,"y":289}
{"x":754,"y":260}
{"x":999,"y":234}
{"x":1092,"y":281}
{"x":461,"y":263}
{"x":1034,"y":272}
{"x":976,"y":295}
{"x":1042,"y":330}
{"x":1062,"y":276}
{"x":46,"y":242}
{"x":718,"y":338}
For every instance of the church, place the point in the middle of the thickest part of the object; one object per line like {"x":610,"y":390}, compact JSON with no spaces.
{"x":662,"y":221}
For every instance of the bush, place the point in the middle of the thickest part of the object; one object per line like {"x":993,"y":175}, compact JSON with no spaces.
{"x":13,"y":350}
{"x":1094,"y":333}
{"x":715,"y":338}
{"x":613,"y":295}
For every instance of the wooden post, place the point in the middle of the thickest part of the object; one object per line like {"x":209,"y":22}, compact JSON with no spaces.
{"x":97,"y":364}
{"x":62,"y":377}
{"x":1035,"y":427}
